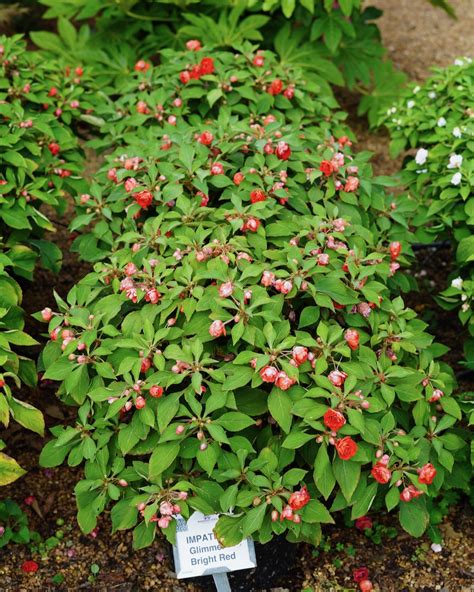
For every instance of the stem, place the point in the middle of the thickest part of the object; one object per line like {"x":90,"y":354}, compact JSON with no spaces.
{"x":145,"y":17}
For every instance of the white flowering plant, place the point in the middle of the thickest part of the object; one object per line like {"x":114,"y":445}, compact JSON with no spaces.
{"x":436,"y":123}
{"x":239,"y":347}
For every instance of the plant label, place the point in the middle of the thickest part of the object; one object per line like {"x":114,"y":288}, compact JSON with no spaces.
{"x":197,"y":552}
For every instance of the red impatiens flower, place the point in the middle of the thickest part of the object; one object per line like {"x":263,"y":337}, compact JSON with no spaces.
{"x":337,"y":377}
{"x":142,"y":66}
{"x":54,"y":148}
{"x":346,"y":448}
{"x":252,"y":224}
{"x":185,"y":76}
{"x":268,"y":373}
{"x":143,"y":198}
{"x":206,"y":66}
{"x":409,"y":493}
{"x":257,"y":195}
{"x":193,"y":45}
{"x":426,"y":474}
{"x":359,"y":574}
{"x":275,"y":87}
{"x":156,"y":391}
{"x":334,"y":420}
{"x":395,"y":250}
{"x":363,"y":523}
{"x":217,"y":329}
{"x":29,"y":566}
{"x":299,"y":499}
{"x":205,"y":138}
{"x":381,"y":473}
{"x":238,"y":178}
{"x":326,"y":168}
{"x":283,"y":151}
{"x":352,"y":338}
{"x":283,"y":381}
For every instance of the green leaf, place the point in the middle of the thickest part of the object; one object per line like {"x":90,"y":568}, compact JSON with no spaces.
{"x":144,"y":535}
{"x":253,"y":519}
{"x":52,"y":455}
{"x":392,"y":498}
{"x":465,"y":250}
{"x":67,"y":32}
{"x":363,"y":499}
{"x":10,"y":470}
{"x":332,"y":34}
{"x":315,"y":511}
{"x":297,"y":439}
{"x":451,"y":407}
{"x":414,"y":517}
{"x":27,"y":416}
{"x":234,"y":421}
{"x":124,"y":515}
{"x":347,"y":474}
{"x":228,"y":530}
{"x":214,"y":95}
{"x":161,"y":458}
{"x":323,"y":474}
{"x":279,"y":405}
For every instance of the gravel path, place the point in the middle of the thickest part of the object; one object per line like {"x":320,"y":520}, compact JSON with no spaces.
{"x":418,"y":35}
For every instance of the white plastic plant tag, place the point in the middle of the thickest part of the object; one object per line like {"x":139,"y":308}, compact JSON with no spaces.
{"x":197,"y":551}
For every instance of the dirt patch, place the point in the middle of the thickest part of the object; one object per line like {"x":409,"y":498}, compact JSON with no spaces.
{"x":418,"y":36}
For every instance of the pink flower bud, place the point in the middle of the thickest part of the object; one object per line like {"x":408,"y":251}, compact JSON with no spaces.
{"x":46,"y":314}
{"x":226,"y":289}
{"x":140,"y":402}
{"x":217,"y":329}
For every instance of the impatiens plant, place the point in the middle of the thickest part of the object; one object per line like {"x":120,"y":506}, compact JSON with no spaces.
{"x":237,"y":348}
{"x":234,"y":123}
{"x":39,"y":162}
{"x":14,"y":369}
{"x":40,"y":158}
{"x":339,"y":40}
{"x":437,"y":120}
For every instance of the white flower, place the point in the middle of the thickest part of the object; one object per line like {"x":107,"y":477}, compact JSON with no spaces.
{"x":458,"y":62}
{"x":441,"y":122}
{"x":455,"y":161}
{"x":393,"y":110}
{"x":436,"y":548}
{"x":416,"y":89}
{"x":432,"y":94}
{"x":463,"y":297}
{"x":457,"y":132}
{"x":456,"y":179}
{"x":457,"y":283}
{"x":465,"y":307}
{"x":421,"y":156}
{"x":410,"y":104}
